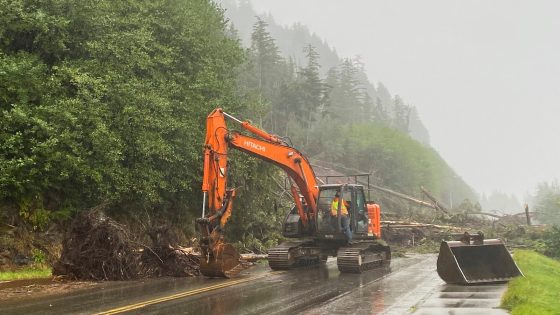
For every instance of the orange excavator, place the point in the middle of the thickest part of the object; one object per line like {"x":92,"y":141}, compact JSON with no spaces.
{"x":319,"y":228}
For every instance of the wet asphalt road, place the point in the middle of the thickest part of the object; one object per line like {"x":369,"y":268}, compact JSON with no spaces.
{"x":410,"y":285}
{"x":416,"y":289}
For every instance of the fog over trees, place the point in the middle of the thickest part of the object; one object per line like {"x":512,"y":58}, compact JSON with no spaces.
{"x":481,"y":74}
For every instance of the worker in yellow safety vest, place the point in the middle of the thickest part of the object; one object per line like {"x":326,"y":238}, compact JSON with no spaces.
{"x":344,"y":220}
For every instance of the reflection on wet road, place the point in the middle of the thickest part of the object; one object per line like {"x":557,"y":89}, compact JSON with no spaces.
{"x":286,"y":292}
{"x":410,"y":284}
{"x":416,"y":289}
{"x":289,"y":293}
{"x":477,"y":299}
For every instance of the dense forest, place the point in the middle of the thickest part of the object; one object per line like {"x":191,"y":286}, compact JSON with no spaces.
{"x":105,"y":103}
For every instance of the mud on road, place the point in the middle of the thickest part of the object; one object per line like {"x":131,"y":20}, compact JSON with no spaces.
{"x":20,"y":290}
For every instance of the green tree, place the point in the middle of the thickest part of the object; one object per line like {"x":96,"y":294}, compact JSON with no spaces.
{"x":401,"y":118}
{"x":312,"y":90}
{"x":265,"y":57}
{"x":105,"y":100}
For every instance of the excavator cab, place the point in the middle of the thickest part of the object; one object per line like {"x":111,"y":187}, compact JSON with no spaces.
{"x":365,"y":250}
{"x":327,"y":226}
{"x":361,"y":216}
{"x":328,"y":222}
{"x":364,"y":216}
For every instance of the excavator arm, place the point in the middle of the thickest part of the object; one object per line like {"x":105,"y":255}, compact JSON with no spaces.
{"x":290,"y":160}
{"x":219,"y":258}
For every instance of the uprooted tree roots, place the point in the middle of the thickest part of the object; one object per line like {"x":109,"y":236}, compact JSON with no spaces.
{"x":166,"y":257}
{"x":98,"y":248}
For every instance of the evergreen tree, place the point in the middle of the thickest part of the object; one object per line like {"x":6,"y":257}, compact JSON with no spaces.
{"x":345,"y":96}
{"x":380,"y":112}
{"x":312,"y":89}
{"x":265,"y":58}
{"x":401,"y":115}
{"x":369,"y":109}
{"x":385,"y":99}
{"x":331,"y":93}
{"x":416,"y":128}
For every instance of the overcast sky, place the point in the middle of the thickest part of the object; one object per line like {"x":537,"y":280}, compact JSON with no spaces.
{"x":483,"y":74}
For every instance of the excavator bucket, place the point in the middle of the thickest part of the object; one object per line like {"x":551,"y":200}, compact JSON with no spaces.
{"x":218,"y":258}
{"x":222,"y":261}
{"x":473,"y":260}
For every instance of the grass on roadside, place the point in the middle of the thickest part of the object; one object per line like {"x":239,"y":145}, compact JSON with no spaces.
{"x":26,"y":273}
{"x":538,"y":291}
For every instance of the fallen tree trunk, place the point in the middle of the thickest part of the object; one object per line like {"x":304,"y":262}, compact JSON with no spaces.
{"x":403,"y":196}
{"x":490,"y":214}
{"x":438,"y":205}
{"x":253,"y":257}
{"x":404,"y":224}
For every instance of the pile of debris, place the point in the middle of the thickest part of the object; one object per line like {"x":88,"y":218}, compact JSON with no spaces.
{"x":98,"y":248}
{"x":167,"y":258}
{"x":409,"y":233}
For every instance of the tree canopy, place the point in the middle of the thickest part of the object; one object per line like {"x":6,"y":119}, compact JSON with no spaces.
{"x":105,"y":100}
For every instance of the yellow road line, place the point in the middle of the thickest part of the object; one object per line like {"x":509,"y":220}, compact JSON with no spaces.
{"x":183,"y":294}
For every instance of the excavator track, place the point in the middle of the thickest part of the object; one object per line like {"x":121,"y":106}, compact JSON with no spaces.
{"x":279,"y":258}
{"x":359,"y":257}
{"x":293,"y":254}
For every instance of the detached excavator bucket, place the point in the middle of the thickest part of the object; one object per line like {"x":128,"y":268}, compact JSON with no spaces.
{"x":223,"y":261}
{"x":473,"y":260}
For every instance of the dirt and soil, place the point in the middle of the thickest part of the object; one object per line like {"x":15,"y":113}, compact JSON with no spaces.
{"x":22,"y":289}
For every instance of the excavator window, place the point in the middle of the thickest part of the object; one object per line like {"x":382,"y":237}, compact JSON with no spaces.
{"x":347,"y":196}
{"x":361,"y":213}
{"x":324,"y":205}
